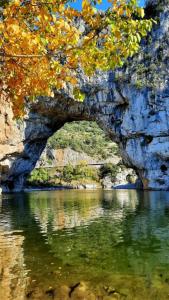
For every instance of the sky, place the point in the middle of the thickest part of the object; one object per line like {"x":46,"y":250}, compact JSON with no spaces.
{"x":103,"y":6}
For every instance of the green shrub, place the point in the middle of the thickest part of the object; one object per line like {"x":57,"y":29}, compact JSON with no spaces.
{"x":81,"y":171}
{"x":139,"y":84}
{"x":84,"y":171}
{"x":67,"y":173}
{"x":39,"y":176}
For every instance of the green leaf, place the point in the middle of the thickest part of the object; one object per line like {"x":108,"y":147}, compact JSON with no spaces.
{"x":78,"y":95}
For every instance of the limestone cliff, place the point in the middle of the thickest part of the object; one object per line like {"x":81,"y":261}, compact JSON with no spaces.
{"x":131,"y":105}
{"x":63,"y":157}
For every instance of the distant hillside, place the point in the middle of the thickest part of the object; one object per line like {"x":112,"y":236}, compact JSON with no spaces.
{"x":84,"y":137}
{"x":80,"y":155}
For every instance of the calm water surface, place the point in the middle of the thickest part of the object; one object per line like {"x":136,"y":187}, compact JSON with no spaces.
{"x":84,"y":245}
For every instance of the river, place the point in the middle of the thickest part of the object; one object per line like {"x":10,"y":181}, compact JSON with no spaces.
{"x":84,"y":245}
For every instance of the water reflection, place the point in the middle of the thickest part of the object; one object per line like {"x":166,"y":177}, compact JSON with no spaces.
{"x":100,"y":237}
{"x":13,"y":276}
{"x":80,"y":208}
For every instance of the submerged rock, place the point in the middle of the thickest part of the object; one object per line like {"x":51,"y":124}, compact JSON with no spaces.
{"x":81,"y":291}
{"x":51,"y":292}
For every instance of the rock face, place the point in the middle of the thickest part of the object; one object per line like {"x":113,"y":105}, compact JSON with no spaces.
{"x":63,"y":157}
{"x":131,"y":105}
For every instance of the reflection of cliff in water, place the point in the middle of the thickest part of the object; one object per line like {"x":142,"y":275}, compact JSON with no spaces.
{"x":65,"y":210}
{"x":79,"y":209}
{"x":148,"y":232}
{"x":13,"y":279}
{"x":68,"y":236}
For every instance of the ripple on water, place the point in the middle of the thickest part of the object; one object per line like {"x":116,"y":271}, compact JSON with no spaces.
{"x":112,"y":245}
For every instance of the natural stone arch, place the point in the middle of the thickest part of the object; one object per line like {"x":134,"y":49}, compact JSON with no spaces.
{"x":45,"y":118}
{"x":130,"y":105}
{"x":48,"y":115}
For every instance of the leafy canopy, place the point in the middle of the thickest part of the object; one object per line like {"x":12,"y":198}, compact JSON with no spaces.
{"x":44,"y":43}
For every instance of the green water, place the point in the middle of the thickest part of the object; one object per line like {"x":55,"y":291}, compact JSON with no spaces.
{"x":84,"y":245}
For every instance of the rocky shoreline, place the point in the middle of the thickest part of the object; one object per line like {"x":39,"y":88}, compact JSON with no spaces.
{"x":88,"y":187}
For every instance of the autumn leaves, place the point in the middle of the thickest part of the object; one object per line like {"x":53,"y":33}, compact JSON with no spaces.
{"x":42,"y":44}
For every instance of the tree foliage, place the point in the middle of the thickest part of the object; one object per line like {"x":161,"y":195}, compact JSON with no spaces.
{"x":79,"y":172}
{"x":69,"y":173}
{"x":44,"y":43}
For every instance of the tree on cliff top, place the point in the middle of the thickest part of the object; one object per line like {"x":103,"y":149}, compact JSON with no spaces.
{"x":44,"y":43}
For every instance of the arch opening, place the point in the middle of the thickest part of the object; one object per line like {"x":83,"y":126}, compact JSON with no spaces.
{"x":80,"y":155}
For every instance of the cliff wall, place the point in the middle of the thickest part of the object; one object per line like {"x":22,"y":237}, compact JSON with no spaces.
{"x":130,"y":105}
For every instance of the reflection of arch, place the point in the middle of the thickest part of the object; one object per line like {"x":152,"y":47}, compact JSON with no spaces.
{"x":13,"y":275}
{"x":131,"y":229}
{"x":13,"y":280}
{"x":16,"y":246}
{"x":77,"y":210}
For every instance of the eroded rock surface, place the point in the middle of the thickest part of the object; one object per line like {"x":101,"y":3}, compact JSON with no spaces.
{"x":63,"y":157}
{"x":131,"y":105}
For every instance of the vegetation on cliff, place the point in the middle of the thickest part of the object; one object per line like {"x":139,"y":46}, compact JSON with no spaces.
{"x":84,"y":137}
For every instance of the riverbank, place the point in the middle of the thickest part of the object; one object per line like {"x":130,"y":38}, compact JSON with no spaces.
{"x":81,"y":187}
{"x":82,"y":176}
